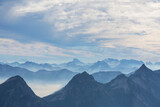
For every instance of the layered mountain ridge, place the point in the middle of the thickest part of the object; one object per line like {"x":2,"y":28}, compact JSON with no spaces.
{"x":140,"y":89}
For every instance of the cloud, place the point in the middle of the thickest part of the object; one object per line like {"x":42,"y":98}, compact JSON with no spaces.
{"x":43,"y":90}
{"x":87,"y":26}
{"x":12,"y":47}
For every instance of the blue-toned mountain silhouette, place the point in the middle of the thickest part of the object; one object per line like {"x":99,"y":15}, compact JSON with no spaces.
{"x":16,"y":93}
{"x":141,"y":89}
{"x":7,"y":71}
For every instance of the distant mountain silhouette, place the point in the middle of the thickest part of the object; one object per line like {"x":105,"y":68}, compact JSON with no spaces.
{"x":16,"y":93}
{"x":127,"y":66}
{"x":74,"y":62}
{"x":7,"y":71}
{"x":105,"y":76}
{"x":141,"y":89}
{"x":35,"y":66}
{"x":75,"y":65}
{"x":99,"y":66}
{"x":14,"y":64}
{"x":109,"y":64}
{"x":56,"y":75}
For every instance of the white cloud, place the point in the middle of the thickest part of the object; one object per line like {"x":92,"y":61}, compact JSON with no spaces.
{"x":12,"y":47}
{"x":124,"y":23}
{"x":43,"y":89}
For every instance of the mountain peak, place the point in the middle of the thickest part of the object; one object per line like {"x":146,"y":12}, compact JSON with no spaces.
{"x":15,"y":92}
{"x":16,"y":78}
{"x":17,"y":83}
{"x":83,"y":77}
{"x":119,"y":78}
{"x":28,"y":62}
{"x":143,"y":68}
{"x":74,"y":62}
{"x":75,"y":59}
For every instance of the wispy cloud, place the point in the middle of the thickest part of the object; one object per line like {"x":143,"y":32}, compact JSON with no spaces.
{"x":12,"y":47}
{"x":89,"y":25}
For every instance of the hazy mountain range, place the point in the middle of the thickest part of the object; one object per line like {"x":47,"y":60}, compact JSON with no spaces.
{"x":110,"y":64}
{"x":103,"y":71}
{"x":140,"y":89}
{"x":62,"y":75}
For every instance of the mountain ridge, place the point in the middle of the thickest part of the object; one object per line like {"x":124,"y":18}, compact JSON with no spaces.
{"x":132,"y":91}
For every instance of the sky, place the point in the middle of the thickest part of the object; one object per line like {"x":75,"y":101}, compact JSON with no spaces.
{"x":56,"y":31}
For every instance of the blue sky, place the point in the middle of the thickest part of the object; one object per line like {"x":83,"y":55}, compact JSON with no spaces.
{"x":60,"y":30}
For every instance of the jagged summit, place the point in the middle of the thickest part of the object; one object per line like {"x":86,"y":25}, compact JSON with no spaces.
{"x":143,"y":68}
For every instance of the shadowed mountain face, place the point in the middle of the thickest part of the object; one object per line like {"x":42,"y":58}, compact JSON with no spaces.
{"x":141,"y":89}
{"x":79,"y":92}
{"x":16,"y":93}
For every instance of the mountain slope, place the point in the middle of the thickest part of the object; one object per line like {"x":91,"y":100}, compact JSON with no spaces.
{"x":105,"y":76}
{"x":56,"y":75}
{"x":74,"y":65}
{"x":7,"y":71}
{"x":16,"y":93}
{"x":141,"y":89}
{"x":79,"y":92}
{"x":99,"y":66}
{"x":35,"y":66}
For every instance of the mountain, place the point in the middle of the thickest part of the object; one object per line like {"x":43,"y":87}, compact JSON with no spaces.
{"x":62,"y":75}
{"x":127,"y":66}
{"x":7,"y":71}
{"x":105,"y":76}
{"x":141,"y":89}
{"x":14,"y":64}
{"x":54,"y":76}
{"x":112,"y":62}
{"x":35,"y":66}
{"x":99,"y":66}
{"x":79,"y":92}
{"x":74,"y":65}
{"x":16,"y":93}
{"x":74,"y":62}
{"x":157,"y":71}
